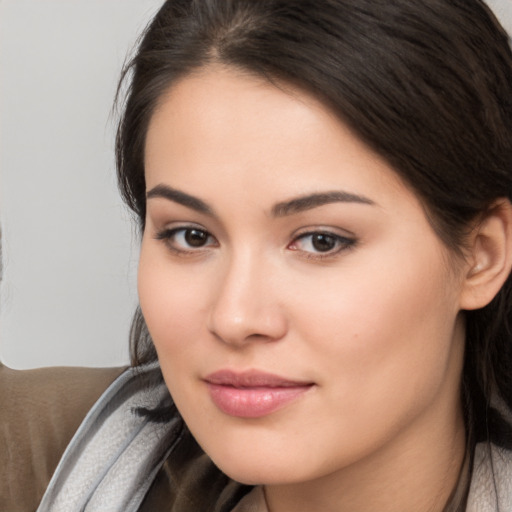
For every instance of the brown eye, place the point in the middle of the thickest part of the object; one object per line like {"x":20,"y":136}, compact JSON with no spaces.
{"x":186,"y":239}
{"x":196,"y":237}
{"x":323,"y":242}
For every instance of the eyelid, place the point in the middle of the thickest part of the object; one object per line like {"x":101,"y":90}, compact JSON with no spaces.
{"x":321,"y":228}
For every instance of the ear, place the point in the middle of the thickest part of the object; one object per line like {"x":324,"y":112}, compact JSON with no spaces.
{"x":490,"y":257}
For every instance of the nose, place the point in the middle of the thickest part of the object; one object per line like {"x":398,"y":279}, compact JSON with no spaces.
{"x":246,"y":306}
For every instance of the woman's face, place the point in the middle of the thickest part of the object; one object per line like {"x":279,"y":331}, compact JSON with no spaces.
{"x":305,"y":314}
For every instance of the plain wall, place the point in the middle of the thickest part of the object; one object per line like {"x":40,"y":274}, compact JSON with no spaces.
{"x":70,"y":253}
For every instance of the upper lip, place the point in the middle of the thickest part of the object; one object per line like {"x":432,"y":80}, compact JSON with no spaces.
{"x":252,"y":379}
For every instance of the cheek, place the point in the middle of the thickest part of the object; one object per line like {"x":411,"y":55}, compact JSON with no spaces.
{"x":170,"y":301}
{"x":384,"y":329}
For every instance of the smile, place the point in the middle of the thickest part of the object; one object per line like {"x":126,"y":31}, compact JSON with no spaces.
{"x":253,"y":394}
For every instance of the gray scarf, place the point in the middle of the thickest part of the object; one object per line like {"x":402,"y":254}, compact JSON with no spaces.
{"x":114,"y":456}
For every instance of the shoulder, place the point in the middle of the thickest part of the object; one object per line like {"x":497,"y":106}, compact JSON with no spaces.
{"x":40,"y":411}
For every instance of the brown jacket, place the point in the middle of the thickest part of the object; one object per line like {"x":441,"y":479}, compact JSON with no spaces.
{"x":41,"y":409}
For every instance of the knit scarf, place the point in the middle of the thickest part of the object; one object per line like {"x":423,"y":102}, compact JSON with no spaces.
{"x":115,"y":454}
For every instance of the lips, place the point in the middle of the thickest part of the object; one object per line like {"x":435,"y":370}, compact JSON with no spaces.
{"x":253,"y":394}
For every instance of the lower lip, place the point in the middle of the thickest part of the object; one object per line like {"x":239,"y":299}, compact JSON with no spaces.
{"x":253,"y":402}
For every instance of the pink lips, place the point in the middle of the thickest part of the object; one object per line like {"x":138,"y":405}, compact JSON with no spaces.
{"x":252,"y":394}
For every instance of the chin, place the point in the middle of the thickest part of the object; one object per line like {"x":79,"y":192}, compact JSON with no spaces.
{"x":251,"y":469}
{"x":251,"y":475}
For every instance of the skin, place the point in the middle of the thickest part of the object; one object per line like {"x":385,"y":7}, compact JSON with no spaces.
{"x":374,"y":323}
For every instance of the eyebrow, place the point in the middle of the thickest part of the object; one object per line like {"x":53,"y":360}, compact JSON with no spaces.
{"x":166,"y":192}
{"x":311,"y":201}
{"x":282,"y":209}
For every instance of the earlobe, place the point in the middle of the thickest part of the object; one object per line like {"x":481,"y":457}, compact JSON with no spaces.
{"x":490,"y":258}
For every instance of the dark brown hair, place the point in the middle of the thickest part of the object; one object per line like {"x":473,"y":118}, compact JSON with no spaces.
{"x":428,"y":85}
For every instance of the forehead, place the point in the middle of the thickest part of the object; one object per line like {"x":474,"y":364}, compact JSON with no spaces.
{"x":220,"y":124}
{"x":217,"y":102}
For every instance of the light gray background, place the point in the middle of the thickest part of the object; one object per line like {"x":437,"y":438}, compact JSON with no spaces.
{"x":70,"y":253}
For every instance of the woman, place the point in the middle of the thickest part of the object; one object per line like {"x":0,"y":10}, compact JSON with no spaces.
{"x":323,"y":190}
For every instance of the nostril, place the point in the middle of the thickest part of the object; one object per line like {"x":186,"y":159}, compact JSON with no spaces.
{"x":255,"y":325}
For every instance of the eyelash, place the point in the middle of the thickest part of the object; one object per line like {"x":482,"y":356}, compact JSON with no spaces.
{"x":168,"y":237}
{"x":342,"y":243}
